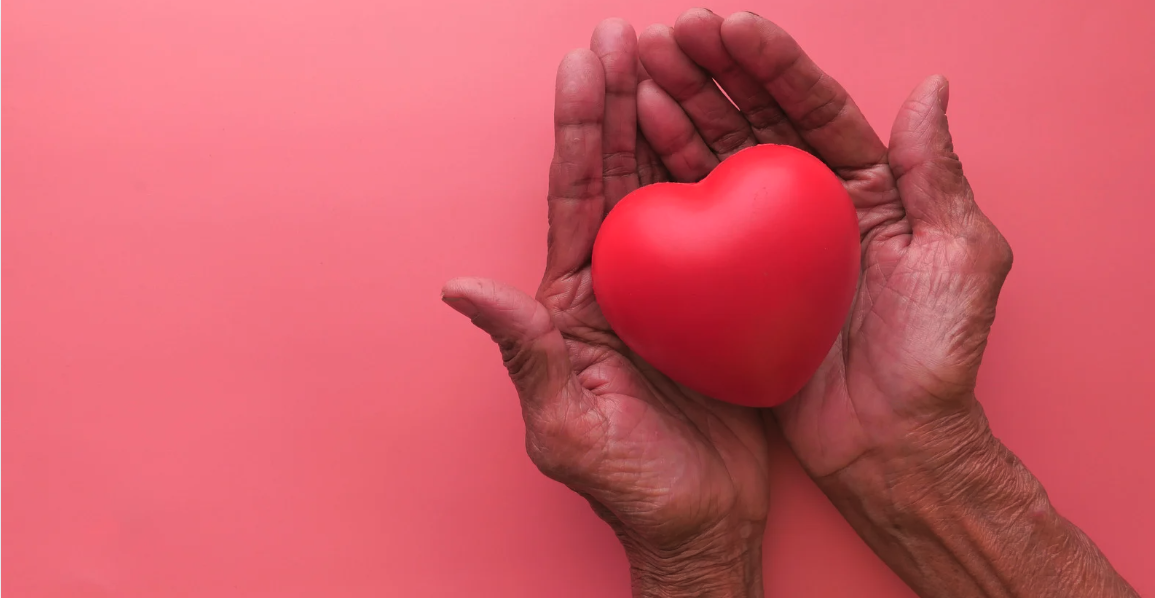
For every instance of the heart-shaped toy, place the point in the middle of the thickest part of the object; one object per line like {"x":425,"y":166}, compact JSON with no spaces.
{"x":735,"y":286}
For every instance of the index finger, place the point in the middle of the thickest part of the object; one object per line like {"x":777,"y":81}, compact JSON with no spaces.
{"x":616,"y":45}
{"x":819,"y":107}
{"x":576,"y":194}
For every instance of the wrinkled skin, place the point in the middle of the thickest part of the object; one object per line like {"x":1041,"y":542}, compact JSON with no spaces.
{"x":667,"y":467}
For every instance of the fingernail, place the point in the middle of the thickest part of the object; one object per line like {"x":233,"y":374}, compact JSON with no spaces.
{"x":944,"y":94}
{"x":461,"y":305}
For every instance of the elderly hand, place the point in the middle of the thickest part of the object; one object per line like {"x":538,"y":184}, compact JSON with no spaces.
{"x":680,"y":477}
{"x":889,"y":426}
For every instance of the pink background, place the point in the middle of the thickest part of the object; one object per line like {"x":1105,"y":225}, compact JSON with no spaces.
{"x":226,"y":224}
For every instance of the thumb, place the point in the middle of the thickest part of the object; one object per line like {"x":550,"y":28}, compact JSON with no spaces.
{"x":531,"y":346}
{"x":927,"y":171}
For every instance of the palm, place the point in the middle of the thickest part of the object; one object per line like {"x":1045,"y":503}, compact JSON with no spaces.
{"x":831,"y":420}
{"x":694,"y":460}
{"x":824,"y":421}
{"x":889,"y":367}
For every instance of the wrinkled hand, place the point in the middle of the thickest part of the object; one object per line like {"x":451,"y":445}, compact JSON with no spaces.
{"x":680,"y":477}
{"x":898,"y":385}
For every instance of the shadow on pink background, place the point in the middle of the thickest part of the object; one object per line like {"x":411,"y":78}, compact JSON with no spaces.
{"x":226,"y":224}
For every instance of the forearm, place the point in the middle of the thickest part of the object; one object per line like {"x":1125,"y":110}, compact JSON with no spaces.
{"x":955,"y":513}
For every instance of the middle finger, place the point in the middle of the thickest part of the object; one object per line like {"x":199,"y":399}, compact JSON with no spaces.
{"x":698,"y":33}
{"x":720,"y":124}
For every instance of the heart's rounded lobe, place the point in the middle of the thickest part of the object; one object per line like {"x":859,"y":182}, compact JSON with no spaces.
{"x":736,"y":286}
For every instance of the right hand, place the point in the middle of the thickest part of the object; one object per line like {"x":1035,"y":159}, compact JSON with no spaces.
{"x":681,"y":478}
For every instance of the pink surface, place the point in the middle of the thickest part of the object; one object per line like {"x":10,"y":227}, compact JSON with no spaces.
{"x":226,"y":225}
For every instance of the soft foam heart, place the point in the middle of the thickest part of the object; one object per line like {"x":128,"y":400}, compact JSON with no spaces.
{"x":735,"y":286}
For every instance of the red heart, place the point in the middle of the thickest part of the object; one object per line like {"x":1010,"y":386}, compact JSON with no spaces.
{"x":735,"y":286}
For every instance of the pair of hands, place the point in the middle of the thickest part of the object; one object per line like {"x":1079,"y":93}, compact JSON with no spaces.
{"x":677,"y":473}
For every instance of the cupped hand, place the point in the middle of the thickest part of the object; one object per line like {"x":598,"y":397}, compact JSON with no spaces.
{"x":675,"y":473}
{"x":899,"y":382}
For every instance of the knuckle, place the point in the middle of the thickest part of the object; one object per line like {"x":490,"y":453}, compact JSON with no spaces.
{"x":823,"y":113}
{"x":570,"y":180}
{"x":992,"y":248}
{"x":648,"y":173}
{"x":686,"y":89}
{"x":1006,"y":255}
{"x":519,"y":360}
{"x":979,"y":248}
{"x":619,"y":164}
{"x":765,"y":116}
{"x":551,"y":450}
{"x":543,"y":455}
{"x":731,"y":141}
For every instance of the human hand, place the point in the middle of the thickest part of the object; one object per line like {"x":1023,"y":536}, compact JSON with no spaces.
{"x":681,"y":477}
{"x":899,"y":382}
{"x":889,"y":426}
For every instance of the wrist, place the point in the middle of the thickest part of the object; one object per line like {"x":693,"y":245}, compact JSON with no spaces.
{"x":954,"y":512}
{"x":724,"y":563}
{"x":946,"y":507}
{"x":954,"y":458}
